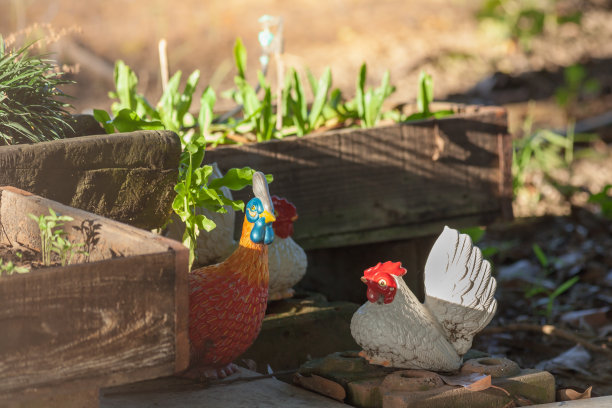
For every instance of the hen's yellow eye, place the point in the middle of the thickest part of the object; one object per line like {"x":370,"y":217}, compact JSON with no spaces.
{"x":382,"y":283}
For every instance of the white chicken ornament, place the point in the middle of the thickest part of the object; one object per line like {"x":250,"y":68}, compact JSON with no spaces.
{"x":395,"y":329}
{"x":287,"y":260}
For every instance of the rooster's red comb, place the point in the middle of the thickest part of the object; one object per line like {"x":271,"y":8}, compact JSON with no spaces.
{"x":393,"y":268}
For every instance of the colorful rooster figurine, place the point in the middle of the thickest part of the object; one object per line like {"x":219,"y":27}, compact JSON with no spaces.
{"x":286,"y":258}
{"x":227,"y":301}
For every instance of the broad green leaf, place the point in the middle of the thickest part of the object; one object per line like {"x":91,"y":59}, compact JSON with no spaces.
{"x":236,"y":179}
{"x":128,"y":121}
{"x":143,"y":107}
{"x":204,"y":223}
{"x":104,"y":118}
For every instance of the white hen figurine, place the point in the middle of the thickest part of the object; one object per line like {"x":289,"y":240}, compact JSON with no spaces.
{"x":286,"y":259}
{"x":395,"y":329}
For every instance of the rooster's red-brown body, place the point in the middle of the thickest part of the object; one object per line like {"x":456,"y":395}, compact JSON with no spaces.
{"x":227,"y":301}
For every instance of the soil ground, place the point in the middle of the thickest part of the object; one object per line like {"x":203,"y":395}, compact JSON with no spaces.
{"x":469,"y":63}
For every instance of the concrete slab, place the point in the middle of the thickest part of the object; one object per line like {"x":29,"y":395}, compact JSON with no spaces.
{"x":245,"y":389}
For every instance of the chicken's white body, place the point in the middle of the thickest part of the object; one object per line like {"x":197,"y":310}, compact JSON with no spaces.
{"x":214,"y":246}
{"x":287,"y":264}
{"x":435,"y":335}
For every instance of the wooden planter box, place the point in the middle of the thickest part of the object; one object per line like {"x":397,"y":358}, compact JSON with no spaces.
{"x":128,"y":177}
{"x":120,"y":317}
{"x":370,"y":195}
{"x":357,"y":186}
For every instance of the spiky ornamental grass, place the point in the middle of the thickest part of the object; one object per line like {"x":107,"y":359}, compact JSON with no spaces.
{"x":30,"y":111}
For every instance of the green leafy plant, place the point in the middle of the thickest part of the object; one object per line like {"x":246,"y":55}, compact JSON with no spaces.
{"x":294,"y":100}
{"x":30,"y":106}
{"x":133,"y":112}
{"x":604,"y":199}
{"x":369,"y":101}
{"x":53,"y":238}
{"x":425,"y":98}
{"x":576,"y":83}
{"x":553,"y":294}
{"x":524,"y":20}
{"x":9,"y":268}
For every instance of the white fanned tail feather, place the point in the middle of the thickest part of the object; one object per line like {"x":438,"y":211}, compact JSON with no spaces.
{"x":459,"y":288}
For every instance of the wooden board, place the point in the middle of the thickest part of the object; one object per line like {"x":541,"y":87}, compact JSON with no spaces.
{"x":128,"y":177}
{"x":119,"y":318}
{"x":357,"y":186}
{"x":250,"y":392}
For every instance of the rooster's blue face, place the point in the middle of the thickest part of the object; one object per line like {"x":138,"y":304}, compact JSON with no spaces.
{"x":254,"y":209}
{"x":256,"y":214}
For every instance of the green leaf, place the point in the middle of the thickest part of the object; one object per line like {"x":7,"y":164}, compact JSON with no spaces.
{"x":125,"y":82}
{"x":168,"y":102}
{"x":475,"y":233}
{"x":184,"y":100}
{"x":207,"y":105}
{"x":320,"y":97}
{"x":104,"y":118}
{"x":312,"y":81}
{"x":236,"y":179}
{"x":128,"y":121}
{"x":425,"y":92}
{"x":360,"y":91}
{"x":204,"y":223}
{"x":540,"y":255}
{"x":248,"y":96}
{"x":240,"y":57}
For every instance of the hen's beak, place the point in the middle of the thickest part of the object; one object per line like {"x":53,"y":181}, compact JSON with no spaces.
{"x":294,"y":218}
{"x":269,"y":217}
{"x":364,"y":280}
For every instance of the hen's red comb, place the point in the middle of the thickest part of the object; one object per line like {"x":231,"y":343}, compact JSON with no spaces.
{"x":393,"y":268}
{"x":284,"y":207}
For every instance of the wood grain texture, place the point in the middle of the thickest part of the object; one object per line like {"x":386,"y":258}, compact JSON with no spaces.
{"x":126,"y":176}
{"x":120,"y":318}
{"x":358,"y":186}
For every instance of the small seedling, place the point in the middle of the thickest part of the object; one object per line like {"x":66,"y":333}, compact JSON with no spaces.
{"x":9,"y":268}
{"x":52,"y":238}
{"x":551,"y":295}
{"x":604,"y":200}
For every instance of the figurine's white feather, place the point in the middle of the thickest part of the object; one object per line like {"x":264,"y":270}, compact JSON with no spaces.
{"x":261,"y":191}
{"x":459,"y":288}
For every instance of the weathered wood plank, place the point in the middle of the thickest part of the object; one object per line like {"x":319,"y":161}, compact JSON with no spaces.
{"x":127,"y":176}
{"x":241,"y":390}
{"x":371,"y":185}
{"x":119,"y":318}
